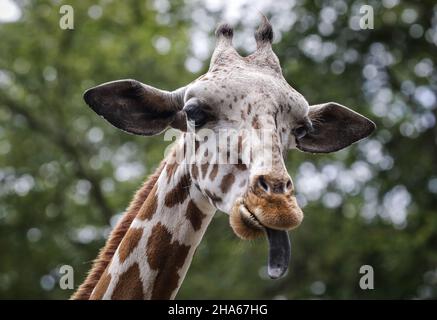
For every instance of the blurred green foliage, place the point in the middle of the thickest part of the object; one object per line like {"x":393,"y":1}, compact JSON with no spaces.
{"x":66,"y":175}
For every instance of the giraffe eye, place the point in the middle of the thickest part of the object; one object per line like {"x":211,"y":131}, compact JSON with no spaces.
{"x":300,"y":132}
{"x":196,"y":114}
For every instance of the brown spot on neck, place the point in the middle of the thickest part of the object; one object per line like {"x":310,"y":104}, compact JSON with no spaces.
{"x":255,"y":122}
{"x":171,"y":168}
{"x":194,"y":215}
{"x":227,"y":182}
{"x":129,"y":243}
{"x":179,"y":193}
{"x":129,"y":285}
{"x":194,"y":171}
{"x":167,"y":257}
{"x":213,"y":172}
{"x":204,"y":168}
{"x":149,"y":207}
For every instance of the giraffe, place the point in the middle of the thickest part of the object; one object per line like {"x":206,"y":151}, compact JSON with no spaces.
{"x":149,"y":252}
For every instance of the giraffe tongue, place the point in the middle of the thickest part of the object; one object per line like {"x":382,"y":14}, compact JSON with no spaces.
{"x":279,"y":252}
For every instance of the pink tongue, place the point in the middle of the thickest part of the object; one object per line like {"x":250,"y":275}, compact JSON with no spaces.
{"x":279,"y":252}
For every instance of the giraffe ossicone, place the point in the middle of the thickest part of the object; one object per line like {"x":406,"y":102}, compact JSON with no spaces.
{"x":149,"y":251}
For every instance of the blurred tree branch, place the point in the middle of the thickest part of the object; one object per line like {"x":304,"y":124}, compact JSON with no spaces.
{"x":62,"y":142}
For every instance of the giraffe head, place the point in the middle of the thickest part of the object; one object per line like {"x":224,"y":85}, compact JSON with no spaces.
{"x":244,"y":117}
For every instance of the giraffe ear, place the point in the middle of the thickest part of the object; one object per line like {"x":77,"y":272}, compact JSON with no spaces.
{"x":135,"y":107}
{"x":334,"y":128}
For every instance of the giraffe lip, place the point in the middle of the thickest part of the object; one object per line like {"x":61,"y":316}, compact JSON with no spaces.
{"x":249,"y":219}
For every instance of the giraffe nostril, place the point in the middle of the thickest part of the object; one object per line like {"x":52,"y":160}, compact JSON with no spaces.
{"x":288,"y":185}
{"x":271,"y":184}
{"x":263,"y":184}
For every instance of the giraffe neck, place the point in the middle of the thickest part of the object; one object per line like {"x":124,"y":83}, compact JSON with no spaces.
{"x":156,"y":251}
